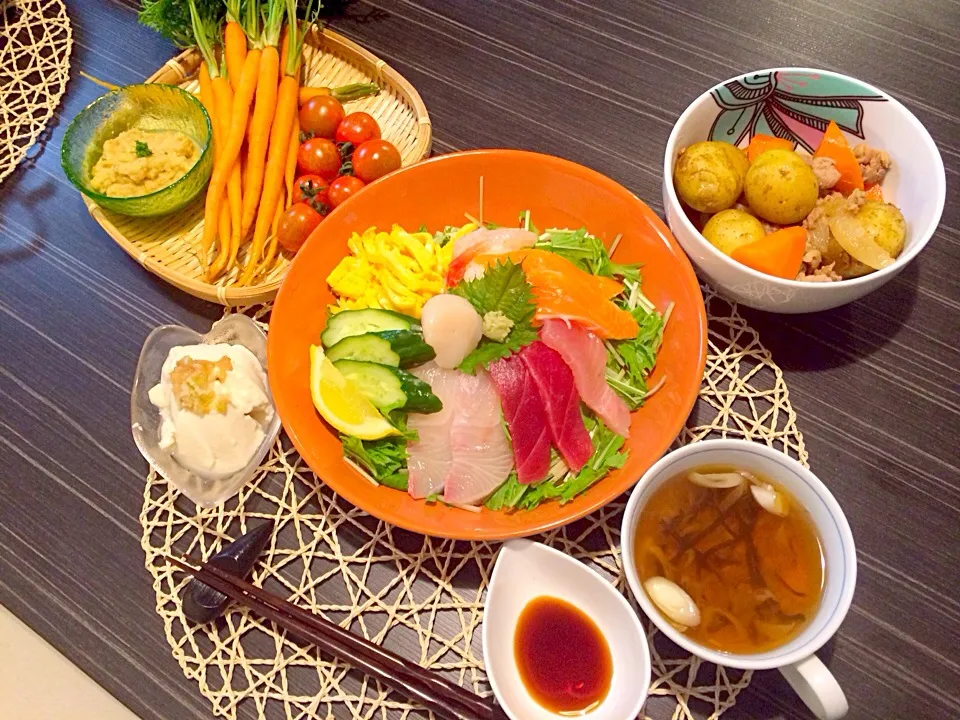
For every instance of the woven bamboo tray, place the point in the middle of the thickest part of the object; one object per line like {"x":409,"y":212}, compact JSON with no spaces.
{"x":167,"y":246}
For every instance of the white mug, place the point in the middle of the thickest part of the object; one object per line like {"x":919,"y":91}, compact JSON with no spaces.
{"x":805,"y":672}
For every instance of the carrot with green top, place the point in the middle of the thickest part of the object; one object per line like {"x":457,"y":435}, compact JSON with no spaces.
{"x":258,"y":138}
{"x":227,"y":164}
{"x":344,"y":93}
{"x":290,"y":171}
{"x":279,"y":144}
{"x":214,"y":87}
{"x":234,"y":42}
{"x":779,"y":254}
{"x":760,"y":143}
{"x":834,"y":145}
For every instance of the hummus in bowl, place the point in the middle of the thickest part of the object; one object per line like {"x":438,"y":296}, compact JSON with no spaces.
{"x":141,"y":150}
{"x":137,"y":162}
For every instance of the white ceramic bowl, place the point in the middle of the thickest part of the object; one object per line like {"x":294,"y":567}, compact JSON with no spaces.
{"x":800,"y":99}
{"x":806,"y":673}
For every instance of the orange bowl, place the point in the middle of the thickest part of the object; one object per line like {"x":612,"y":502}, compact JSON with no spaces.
{"x":438,"y":192}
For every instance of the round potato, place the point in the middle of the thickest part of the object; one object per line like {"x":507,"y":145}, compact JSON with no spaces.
{"x":707,"y":177}
{"x":729,"y":229}
{"x":738,"y":157}
{"x":884,"y":224}
{"x":780,"y":187}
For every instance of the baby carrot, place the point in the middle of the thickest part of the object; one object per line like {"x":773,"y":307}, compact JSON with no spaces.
{"x":279,"y":144}
{"x":344,"y":93}
{"x":226,"y":164}
{"x":234,"y":43}
{"x":291,"y":169}
{"x":263,"y":111}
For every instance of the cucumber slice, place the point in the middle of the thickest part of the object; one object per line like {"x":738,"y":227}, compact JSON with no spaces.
{"x":387,"y":347}
{"x":409,"y":345}
{"x":389,"y":388}
{"x":347,"y":323}
{"x":369,"y":347}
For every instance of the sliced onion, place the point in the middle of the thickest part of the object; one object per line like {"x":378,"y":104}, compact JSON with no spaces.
{"x":853,"y":238}
{"x":673,"y":601}
{"x":716,"y":481}
{"x":770,"y":500}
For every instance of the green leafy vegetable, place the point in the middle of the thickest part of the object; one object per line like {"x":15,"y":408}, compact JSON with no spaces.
{"x":586,"y":252}
{"x":142,"y":149}
{"x":502,"y":288}
{"x":561,"y":484}
{"x":507,"y":495}
{"x":171,"y":18}
{"x":384,"y":459}
{"x":629,"y":362}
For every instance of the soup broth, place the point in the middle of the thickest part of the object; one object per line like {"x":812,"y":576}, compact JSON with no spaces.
{"x":756,"y":575}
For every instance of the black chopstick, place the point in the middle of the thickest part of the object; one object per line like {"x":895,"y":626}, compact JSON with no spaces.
{"x":443,"y":697}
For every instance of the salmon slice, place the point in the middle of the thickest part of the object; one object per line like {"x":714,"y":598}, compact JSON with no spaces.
{"x":482,"y":458}
{"x":550,"y":265}
{"x":526,"y":418}
{"x":562,"y":290}
{"x":586,"y":357}
{"x":561,"y":403}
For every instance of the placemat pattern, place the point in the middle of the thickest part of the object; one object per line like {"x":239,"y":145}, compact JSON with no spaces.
{"x":419,"y":596}
{"x":35,"y":44}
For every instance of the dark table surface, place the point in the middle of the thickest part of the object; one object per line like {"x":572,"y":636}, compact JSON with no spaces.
{"x":874,"y":384}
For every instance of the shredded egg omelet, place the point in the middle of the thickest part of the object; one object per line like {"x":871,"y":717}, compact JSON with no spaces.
{"x":396,"y":271}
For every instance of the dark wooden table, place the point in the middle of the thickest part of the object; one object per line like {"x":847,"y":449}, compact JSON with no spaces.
{"x":875,"y":383}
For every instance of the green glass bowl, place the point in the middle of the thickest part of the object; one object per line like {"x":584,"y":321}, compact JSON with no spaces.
{"x":145,"y":107}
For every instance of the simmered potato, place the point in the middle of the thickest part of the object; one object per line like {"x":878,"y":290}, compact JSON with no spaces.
{"x":729,"y":229}
{"x":884,"y":224}
{"x":708,"y":177}
{"x":780,"y":187}
{"x":738,"y":157}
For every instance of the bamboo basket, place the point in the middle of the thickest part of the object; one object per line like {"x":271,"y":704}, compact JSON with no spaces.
{"x":167,"y":246}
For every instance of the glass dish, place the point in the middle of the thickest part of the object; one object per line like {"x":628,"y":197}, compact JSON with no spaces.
{"x":145,"y":418}
{"x":146,"y":107}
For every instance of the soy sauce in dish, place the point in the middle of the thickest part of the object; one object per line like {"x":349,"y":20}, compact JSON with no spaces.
{"x":563,"y":659}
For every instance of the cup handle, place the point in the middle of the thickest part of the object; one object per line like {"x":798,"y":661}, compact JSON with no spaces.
{"x":817,"y":687}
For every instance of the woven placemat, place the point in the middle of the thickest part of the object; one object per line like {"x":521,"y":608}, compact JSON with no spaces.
{"x":35,"y":44}
{"x":419,"y":596}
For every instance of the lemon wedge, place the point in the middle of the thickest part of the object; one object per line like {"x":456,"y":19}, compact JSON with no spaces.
{"x":341,"y":404}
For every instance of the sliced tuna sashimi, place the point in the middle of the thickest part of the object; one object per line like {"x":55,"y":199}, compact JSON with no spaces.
{"x":586,"y":357}
{"x":482,"y":458}
{"x":430,"y":457}
{"x":526,"y":417}
{"x":561,"y":402}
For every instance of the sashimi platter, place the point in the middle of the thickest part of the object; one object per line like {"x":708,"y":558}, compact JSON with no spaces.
{"x":479,"y":371}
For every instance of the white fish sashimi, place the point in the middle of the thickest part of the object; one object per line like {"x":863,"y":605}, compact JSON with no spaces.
{"x":494,"y":242}
{"x":430,"y":457}
{"x":482,"y":457}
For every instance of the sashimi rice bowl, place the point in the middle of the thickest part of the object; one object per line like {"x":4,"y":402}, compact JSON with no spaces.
{"x":490,"y":373}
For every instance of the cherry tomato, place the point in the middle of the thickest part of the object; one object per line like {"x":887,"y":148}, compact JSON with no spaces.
{"x":344,"y":187}
{"x":357,"y":128}
{"x":319,"y":156}
{"x":374,"y":159}
{"x":313,"y":190}
{"x":321,"y":115}
{"x":296,"y":224}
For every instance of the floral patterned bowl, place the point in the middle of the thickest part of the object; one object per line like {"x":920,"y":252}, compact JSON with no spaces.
{"x":797,"y":104}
